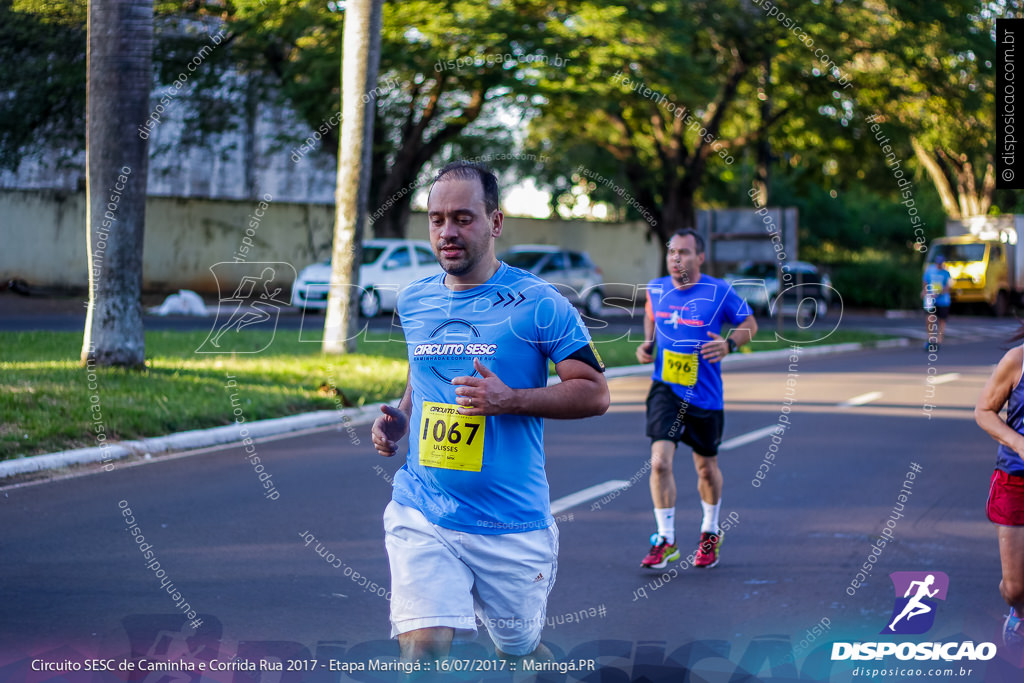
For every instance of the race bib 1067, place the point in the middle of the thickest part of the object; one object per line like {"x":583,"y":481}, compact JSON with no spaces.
{"x":449,"y":440}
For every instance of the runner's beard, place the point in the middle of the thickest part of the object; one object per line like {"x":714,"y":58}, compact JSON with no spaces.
{"x":461,"y":265}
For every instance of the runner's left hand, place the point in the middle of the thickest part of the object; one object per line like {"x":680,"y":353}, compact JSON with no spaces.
{"x":715,"y":350}
{"x":483,"y":395}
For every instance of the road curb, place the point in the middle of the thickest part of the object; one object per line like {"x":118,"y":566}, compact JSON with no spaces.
{"x":235,"y":433}
{"x":193,"y":439}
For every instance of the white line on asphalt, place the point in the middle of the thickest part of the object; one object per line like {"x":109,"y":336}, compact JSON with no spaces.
{"x":598,"y":490}
{"x":862,"y":399}
{"x":587,"y":494}
{"x":749,"y":437}
{"x":948,"y":377}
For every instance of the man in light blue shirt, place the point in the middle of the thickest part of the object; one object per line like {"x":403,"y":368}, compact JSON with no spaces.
{"x":469,"y":531}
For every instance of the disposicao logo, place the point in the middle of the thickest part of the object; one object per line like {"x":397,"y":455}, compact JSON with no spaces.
{"x":913,"y":613}
{"x":917,"y":596}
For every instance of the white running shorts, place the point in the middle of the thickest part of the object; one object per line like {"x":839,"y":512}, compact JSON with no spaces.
{"x":441,"y":577}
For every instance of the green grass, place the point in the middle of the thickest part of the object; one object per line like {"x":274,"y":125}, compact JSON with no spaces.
{"x":46,"y":401}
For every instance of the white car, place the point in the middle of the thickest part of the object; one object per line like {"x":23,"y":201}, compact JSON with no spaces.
{"x":388,"y":266}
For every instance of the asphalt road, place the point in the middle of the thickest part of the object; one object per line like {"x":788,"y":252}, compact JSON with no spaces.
{"x":73,"y":583}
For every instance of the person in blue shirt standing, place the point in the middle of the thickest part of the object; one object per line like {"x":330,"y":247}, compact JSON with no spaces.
{"x":682,"y":337}
{"x":935,"y":294}
{"x":469,"y":531}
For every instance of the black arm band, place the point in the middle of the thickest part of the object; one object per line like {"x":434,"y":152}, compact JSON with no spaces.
{"x":588,"y":355}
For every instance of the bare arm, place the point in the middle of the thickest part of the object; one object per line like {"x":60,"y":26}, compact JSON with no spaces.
{"x":994,"y":396}
{"x":745,"y":332}
{"x":583,"y":392}
{"x":389,"y":428}
{"x":644,"y":352}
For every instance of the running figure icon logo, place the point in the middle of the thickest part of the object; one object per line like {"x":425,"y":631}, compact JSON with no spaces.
{"x":250,"y":297}
{"x":917,"y":596}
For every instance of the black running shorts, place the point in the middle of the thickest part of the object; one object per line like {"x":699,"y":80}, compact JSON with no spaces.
{"x":669,"y":418}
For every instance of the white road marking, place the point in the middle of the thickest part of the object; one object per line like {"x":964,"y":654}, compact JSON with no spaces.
{"x":592,"y":492}
{"x":749,"y":437}
{"x":587,"y":494}
{"x":948,"y":377}
{"x":862,"y":399}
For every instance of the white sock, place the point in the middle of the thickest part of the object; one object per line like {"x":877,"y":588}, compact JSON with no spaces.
{"x":710,"y":524}
{"x":666,"y":523}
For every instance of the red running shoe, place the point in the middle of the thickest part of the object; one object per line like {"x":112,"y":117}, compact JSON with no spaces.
{"x":707,"y":551}
{"x":660,"y":554}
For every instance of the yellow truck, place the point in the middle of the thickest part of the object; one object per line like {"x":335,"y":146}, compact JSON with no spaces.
{"x":982,"y":257}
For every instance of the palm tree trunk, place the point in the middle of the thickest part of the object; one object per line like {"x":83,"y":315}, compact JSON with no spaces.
{"x":118,"y":84}
{"x":360,"y":61}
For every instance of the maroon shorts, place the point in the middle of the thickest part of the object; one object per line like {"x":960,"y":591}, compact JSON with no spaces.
{"x":1006,"y":499}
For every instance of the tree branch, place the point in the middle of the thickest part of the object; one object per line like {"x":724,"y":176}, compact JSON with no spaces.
{"x":939,"y":179}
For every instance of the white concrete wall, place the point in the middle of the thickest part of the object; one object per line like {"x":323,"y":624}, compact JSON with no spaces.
{"x":43,"y":234}
{"x":43,"y":239}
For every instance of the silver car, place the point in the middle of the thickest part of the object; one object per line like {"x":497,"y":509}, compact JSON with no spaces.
{"x":758,"y":284}
{"x":571,"y":272}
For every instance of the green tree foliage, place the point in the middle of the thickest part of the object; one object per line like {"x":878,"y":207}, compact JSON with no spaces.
{"x":927,"y":70}
{"x":42,"y":55}
{"x":663,"y":98}
{"x":450,"y":72}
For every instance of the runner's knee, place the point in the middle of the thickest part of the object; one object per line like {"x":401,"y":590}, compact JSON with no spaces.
{"x":425,"y":643}
{"x":706,"y":467}
{"x":661,"y":458}
{"x":661,"y":467}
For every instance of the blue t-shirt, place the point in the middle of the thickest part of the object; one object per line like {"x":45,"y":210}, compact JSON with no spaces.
{"x":514,"y":323}
{"x":935,"y":279}
{"x":682,"y":320}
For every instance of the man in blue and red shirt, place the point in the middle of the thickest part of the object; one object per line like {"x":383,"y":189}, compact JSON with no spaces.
{"x":682,"y":336}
